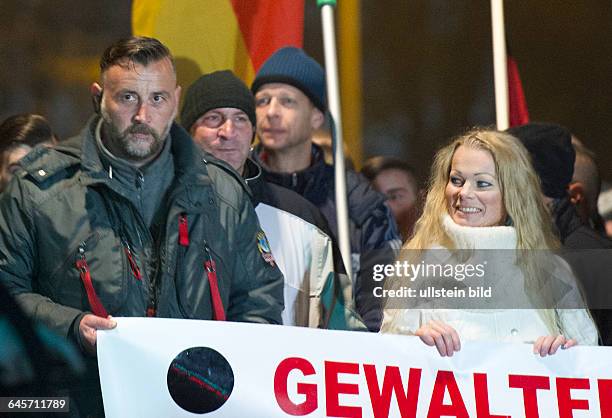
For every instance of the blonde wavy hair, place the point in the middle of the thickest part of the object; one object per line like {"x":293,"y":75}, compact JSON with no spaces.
{"x":522,"y":200}
{"x":519,"y":185}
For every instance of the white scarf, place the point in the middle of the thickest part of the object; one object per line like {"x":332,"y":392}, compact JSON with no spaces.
{"x":480,"y":238}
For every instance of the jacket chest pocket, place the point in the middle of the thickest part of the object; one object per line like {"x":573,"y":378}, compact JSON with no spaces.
{"x":202,"y":280}
{"x":94,"y":268}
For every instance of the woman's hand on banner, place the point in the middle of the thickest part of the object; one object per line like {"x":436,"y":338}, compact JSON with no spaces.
{"x":549,"y":344}
{"x":443,"y":336}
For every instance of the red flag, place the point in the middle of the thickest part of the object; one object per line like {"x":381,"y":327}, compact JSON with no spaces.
{"x":519,"y":115}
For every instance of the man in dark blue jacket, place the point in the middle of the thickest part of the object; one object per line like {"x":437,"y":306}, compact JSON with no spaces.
{"x":290,"y":104}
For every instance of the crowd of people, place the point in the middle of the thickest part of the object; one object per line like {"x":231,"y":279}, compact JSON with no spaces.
{"x":140,"y":215}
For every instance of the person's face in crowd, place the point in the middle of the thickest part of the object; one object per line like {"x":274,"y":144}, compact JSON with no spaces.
{"x":226,"y":133}
{"x":286,"y":117}
{"x":472,"y":193}
{"x":608,"y":228}
{"x":10,"y":162}
{"x":138,"y":106}
{"x":400,"y":189}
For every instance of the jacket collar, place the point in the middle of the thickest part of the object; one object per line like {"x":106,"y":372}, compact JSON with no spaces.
{"x":565,"y":216}
{"x":156,"y":173}
{"x":253,"y":176}
{"x":312,"y":182}
{"x":190,"y":172}
{"x":316,"y":183}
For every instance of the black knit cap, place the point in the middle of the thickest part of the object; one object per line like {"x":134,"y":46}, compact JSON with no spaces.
{"x":215,"y":90}
{"x":290,"y":65}
{"x":552,"y":154}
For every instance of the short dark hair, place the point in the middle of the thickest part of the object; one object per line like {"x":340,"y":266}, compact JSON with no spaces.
{"x":586,"y":170}
{"x":376,"y":165}
{"x":28,"y":129}
{"x":135,"y":50}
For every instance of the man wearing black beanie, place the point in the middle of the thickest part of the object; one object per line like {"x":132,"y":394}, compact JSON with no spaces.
{"x":553,"y":156}
{"x":219,"y":112}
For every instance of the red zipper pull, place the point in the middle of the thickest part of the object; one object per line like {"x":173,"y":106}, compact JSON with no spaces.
{"x":94,"y":302}
{"x":135,"y":270}
{"x":183,"y":230}
{"x":215,"y":295}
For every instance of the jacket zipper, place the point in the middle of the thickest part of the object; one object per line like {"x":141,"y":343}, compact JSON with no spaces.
{"x":132,"y":260}
{"x":152,"y":297}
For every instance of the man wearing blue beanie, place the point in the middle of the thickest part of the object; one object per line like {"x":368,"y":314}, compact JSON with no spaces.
{"x":290,"y":104}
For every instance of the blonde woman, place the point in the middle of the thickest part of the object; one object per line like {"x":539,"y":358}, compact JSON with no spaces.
{"x":484,"y":194}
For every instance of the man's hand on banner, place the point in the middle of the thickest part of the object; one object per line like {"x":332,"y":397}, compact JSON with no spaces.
{"x":443,"y":336}
{"x":549,"y":344}
{"x":87,"y":328}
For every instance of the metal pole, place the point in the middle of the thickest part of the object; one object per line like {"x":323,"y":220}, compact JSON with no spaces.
{"x":499,"y":65}
{"x":333,"y":98}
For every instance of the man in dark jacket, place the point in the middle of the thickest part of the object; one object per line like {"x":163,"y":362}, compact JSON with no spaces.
{"x":129,"y":219}
{"x":588,"y":253}
{"x":290,"y":104}
{"x":219,"y":112}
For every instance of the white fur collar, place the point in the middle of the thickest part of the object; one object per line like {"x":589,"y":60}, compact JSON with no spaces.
{"x":480,"y":238}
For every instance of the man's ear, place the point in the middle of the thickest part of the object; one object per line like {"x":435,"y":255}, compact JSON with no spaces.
{"x":317,"y":118}
{"x":96,"y":96}
{"x":177,"y":97}
{"x":177,"y":94}
{"x":576,"y":192}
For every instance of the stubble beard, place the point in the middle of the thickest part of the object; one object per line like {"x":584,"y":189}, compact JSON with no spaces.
{"x":128,"y":145}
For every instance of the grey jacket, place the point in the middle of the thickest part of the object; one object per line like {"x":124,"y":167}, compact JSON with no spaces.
{"x":63,"y":207}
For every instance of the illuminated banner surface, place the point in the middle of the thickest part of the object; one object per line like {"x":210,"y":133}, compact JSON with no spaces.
{"x":183,"y":368}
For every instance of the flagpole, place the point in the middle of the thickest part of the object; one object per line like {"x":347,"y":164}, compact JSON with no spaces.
{"x":333,"y":98}
{"x":500,"y":68}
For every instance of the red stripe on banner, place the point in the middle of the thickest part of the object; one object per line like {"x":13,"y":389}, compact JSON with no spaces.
{"x":268,"y":25}
{"x":519,"y":115}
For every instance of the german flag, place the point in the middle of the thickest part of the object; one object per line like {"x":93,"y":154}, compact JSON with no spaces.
{"x":210,"y":35}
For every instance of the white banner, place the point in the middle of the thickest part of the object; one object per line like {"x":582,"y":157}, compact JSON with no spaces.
{"x":153,"y":367}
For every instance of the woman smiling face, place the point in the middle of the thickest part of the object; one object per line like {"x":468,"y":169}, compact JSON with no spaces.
{"x":473,"y":194}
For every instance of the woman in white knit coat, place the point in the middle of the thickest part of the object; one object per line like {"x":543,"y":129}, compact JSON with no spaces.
{"x":484,"y":194}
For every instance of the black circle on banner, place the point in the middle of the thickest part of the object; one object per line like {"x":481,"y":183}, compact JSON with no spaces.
{"x":200,"y":380}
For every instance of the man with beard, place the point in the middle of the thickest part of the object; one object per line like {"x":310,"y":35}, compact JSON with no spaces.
{"x":130,"y":219}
